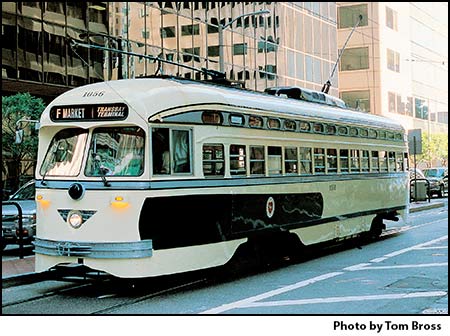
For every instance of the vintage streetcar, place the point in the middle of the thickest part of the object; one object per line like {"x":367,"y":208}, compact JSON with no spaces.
{"x":155,"y":176}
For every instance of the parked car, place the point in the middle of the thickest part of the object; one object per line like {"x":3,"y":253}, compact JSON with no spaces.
{"x":438,"y":178}
{"x":25,"y":197}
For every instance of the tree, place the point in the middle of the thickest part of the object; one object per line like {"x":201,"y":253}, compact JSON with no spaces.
{"x":434,"y":149}
{"x":19,"y":159}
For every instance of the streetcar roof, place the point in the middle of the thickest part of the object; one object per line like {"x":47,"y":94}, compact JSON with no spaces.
{"x":146,"y":97}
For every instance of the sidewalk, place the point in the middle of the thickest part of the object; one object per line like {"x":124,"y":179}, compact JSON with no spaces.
{"x":18,"y":267}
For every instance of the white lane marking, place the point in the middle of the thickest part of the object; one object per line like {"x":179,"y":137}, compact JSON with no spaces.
{"x":432,"y":248}
{"x":362,"y":266}
{"x":344,"y":299}
{"x":356,"y":267}
{"x":238,"y":304}
{"x":397,"y":266}
{"x":411,"y":248}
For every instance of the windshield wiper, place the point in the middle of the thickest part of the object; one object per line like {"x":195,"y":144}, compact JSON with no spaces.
{"x":101,"y":170}
{"x":45,"y":174}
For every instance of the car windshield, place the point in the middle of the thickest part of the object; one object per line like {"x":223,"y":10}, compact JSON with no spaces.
{"x":65,"y":153}
{"x":116,"y":151}
{"x":24,"y":193}
{"x":434,"y":172}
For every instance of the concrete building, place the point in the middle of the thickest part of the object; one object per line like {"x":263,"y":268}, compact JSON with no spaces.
{"x":396,"y":62}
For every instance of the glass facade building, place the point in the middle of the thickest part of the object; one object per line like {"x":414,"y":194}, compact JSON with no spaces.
{"x":294,"y":44}
{"x":36,"y":52}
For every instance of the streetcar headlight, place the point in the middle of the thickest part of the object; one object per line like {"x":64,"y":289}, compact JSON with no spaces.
{"x":75,"y":219}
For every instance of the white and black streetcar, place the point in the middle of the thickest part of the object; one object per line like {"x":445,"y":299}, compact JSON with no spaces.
{"x":154,"y":176}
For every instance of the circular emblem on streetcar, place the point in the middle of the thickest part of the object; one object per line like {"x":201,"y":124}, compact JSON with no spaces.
{"x":76,"y":191}
{"x":270,"y":207}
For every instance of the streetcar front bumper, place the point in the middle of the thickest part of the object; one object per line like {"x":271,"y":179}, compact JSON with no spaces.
{"x":95,"y":250}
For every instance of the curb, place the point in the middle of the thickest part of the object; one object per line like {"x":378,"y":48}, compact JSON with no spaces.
{"x":426,"y":207}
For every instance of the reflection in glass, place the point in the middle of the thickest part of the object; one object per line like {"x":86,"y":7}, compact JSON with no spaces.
{"x":65,"y":153}
{"x":116,"y":151}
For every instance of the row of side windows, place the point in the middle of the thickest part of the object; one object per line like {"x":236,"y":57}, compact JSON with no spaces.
{"x":298,"y":160}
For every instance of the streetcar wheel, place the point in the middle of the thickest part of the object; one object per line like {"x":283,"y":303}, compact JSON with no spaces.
{"x":376,"y":228}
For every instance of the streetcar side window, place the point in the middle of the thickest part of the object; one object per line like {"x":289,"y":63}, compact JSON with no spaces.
{"x":161,"y":150}
{"x":354,"y":160}
{"x":399,"y":161}
{"x":391,"y":161}
{"x":375,"y":161}
{"x":237,"y":160}
{"x":171,"y":151}
{"x":290,"y":160}
{"x":383,"y":161}
{"x":213,"y":160}
{"x":274,"y":160}
{"x":319,"y":161}
{"x":343,"y":157}
{"x":181,"y":151}
{"x":305,"y":160}
{"x":365,"y":160}
{"x":332,"y":160}
{"x":257,"y":160}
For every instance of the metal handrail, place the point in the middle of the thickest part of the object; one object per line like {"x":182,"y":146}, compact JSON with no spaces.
{"x":19,"y":213}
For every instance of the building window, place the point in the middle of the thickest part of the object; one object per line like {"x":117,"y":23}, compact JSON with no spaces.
{"x":167,"y":32}
{"x":213,"y":51}
{"x":421,"y":109}
{"x":213,"y":27}
{"x":240,"y":49}
{"x":391,"y":19}
{"x":400,"y":105}
{"x":409,"y":106}
{"x":393,"y":60}
{"x":189,"y":53}
{"x":349,"y":15}
{"x":190,"y":30}
{"x":391,"y":102}
{"x":358,"y":100}
{"x":354,"y":59}
{"x":145,"y":34}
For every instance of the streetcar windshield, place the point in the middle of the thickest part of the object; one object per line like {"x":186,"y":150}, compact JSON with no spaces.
{"x":116,"y":151}
{"x":65,"y":153}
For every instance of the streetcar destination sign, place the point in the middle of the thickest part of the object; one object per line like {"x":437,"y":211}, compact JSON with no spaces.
{"x":118,"y":111}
